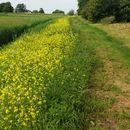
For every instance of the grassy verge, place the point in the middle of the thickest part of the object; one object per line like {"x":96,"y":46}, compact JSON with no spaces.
{"x":43,"y":80}
{"x":108,"y":97}
{"x":94,"y":106}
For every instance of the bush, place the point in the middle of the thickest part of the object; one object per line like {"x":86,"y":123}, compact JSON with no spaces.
{"x":43,"y":80}
{"x":108,"y":20}
{"x":123,"y":15}
{"x":6,"y":7}
{"x":98,"y":9}
{"x":94,"y":9}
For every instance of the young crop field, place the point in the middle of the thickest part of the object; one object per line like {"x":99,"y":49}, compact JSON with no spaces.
{"x":21,"y":19}
{"x":12,"y":26}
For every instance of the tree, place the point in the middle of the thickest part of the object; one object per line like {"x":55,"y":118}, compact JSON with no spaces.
{"x":95,"y":10}
{"x":1,"y":7}
{"x":20,"y":8}
{"x":71,"y":12}
{"x":98,"y":9}
{"x":82,"y":4}
{"x":41,"y":10}
{"x":123,"y":11}
{"x":35,"y":11}
{"x":6,"y":7}
{"x":57,"y":11}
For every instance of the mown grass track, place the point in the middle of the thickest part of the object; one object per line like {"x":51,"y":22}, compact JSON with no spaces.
{"x":108,"y":100}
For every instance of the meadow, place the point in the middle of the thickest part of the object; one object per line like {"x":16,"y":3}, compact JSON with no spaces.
{"x":64,"y":73}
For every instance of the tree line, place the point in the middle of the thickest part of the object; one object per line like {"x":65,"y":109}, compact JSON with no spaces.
{"x":8,"y":8}
{"x":95,"y":10}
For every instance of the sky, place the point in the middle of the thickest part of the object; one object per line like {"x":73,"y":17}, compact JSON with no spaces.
{"x":47,"y":5}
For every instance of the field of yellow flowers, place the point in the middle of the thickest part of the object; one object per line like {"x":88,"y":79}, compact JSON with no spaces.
{"x":42,"y":76}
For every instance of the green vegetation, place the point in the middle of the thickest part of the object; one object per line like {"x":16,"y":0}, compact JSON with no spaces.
{"x":95,"y":10}
{"x":12,"y":26}
{"x":6,"y":7}
{"x":82,"y":7}
{"x":71,"y":12}
{"x":65,"y":73}
{"x":20,"y":8}
{"x":57,"y":11}
{"x":48,"y":81}
{"x":107,"y":98}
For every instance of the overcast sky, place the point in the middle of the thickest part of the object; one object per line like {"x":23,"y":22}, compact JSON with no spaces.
{"x":47,"y":5}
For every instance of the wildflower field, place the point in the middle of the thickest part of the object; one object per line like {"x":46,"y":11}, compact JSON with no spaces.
{"x":42,"y":78}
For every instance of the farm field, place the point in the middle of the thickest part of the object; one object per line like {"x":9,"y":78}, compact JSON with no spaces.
{"x":13,"y":25}
{"x":66,"y":74}
{"x":21,"y":19}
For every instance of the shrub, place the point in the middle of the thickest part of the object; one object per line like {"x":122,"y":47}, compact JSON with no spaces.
{"x":108,"y":20}
{"x":71,"y":12}
{"x":123,"y":13}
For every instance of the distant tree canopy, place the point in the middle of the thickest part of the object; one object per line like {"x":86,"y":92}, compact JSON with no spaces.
{"x":21,"y":8}
{"x":95,"y":10}
{"x":35,"y":11}
{"x":6,"y":7}
{"x":71,"y":12}
{"x":41,"y":10}
{"x":82,"y":4}
{"x":57,"y":11}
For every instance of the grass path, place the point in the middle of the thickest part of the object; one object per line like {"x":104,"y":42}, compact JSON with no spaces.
{"x":108,"y":105}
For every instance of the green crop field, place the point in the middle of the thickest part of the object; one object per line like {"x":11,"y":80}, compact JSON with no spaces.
{"x":13,"y":25}
{"x":21,"y":19}
{"x":63,"y":73}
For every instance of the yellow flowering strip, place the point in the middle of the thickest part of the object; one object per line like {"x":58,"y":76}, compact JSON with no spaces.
{"x":24,"y":65}
{"x":42,"y":76}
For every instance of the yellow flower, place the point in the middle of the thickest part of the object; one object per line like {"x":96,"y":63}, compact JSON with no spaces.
{"x":27,"y":65}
